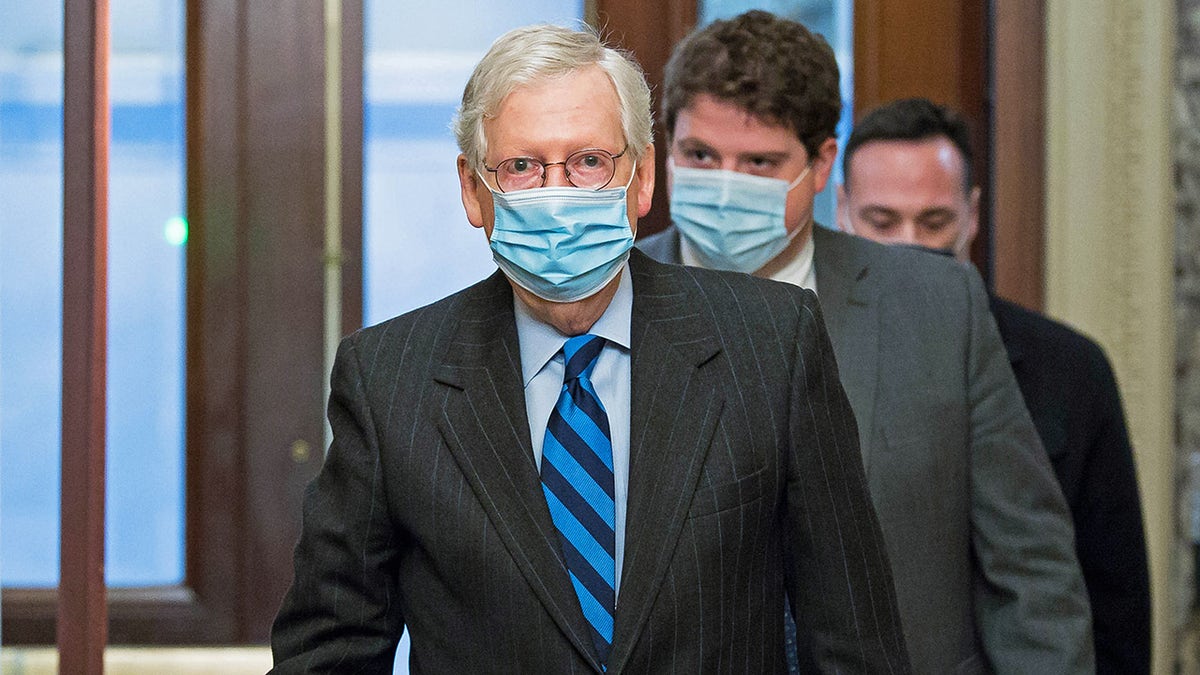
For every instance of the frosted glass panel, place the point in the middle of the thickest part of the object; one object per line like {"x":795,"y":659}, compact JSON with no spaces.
{"x":144,"y":509}
{"x":418,"y":245}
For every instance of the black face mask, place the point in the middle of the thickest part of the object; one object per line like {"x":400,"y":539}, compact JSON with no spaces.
{"x":949,"y":253}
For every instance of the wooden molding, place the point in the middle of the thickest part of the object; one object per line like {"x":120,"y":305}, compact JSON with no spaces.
{"x":649,"y":31}
{"x":82,"y":618}
{"x":1019,"y":160}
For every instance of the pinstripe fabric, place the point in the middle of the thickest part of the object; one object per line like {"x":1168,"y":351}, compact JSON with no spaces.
{"x":428,"y":514}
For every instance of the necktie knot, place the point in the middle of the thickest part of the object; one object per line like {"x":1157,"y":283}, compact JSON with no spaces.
{"x":580,"y":353}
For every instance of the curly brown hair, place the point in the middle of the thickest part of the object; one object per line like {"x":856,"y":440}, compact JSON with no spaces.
{"x":772,"y":67}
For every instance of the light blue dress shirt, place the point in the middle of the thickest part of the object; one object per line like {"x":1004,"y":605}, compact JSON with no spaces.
{"x":542,"y":373}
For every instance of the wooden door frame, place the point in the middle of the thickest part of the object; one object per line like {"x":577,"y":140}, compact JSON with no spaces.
{"x":648,"y":30}
{"x":1018,"y":169}
{"x":985,"y":59}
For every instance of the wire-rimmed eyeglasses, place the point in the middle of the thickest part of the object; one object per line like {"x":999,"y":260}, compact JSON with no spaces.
{"x":590,"y":169}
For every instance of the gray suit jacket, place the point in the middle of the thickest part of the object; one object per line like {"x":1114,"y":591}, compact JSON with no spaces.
{"x":978,"y":533}
{"x":428,"y":514}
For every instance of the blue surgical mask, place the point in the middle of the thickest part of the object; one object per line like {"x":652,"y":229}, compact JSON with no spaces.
{"x":561,"y":243}
{"x":734,"y":221}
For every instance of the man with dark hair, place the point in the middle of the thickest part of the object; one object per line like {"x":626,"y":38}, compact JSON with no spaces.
{"x":588,"y":462}
{"x":977,"y":531}
{"x":908,"y":180}
{"x":947,"y":213}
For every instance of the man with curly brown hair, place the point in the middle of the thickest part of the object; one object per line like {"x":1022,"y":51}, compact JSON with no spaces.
{"x":977,"y":531}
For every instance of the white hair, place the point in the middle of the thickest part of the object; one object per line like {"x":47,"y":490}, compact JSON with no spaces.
{"x":524,"y":55}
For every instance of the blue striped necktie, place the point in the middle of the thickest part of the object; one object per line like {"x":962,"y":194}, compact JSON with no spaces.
{"x":577,"y":479}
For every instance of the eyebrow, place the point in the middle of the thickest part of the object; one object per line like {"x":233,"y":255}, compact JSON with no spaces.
{"x":941,"y":211}
{"x":876,"y":209}
{"x":879,"y":209}
{"x":541,"y":158}
{"x":774,"y":156}
{"x":694,"y":144}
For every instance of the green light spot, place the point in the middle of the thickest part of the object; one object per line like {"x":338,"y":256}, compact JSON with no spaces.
{"x":176,"y":231}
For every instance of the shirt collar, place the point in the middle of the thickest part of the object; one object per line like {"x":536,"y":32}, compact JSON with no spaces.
{"x":799,"y":270}
{"x":540,"y":341}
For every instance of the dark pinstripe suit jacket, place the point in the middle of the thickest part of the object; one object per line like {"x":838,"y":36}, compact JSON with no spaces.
{"x":978,"y":533}
{"x":745,"y":479}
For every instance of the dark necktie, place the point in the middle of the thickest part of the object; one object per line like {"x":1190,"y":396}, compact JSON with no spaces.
{"x":577,"y":479}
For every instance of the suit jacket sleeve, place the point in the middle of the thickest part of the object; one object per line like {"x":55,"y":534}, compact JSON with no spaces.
{"x":840,"y":583}
{"x":1030,"y":601}
{"x":341,"y":614}
{"x":1110,"y":538}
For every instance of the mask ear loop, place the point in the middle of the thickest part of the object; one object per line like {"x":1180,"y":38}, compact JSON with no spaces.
{"x":793,"y":184}
{"x":791,"y":236}
{"x":631,"y":174}
{"x":485,"y":183}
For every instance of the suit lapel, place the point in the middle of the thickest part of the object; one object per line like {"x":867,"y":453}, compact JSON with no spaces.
{"x":484,"y":423}
{"x":848,"y":298}
{"x":675,"y":409}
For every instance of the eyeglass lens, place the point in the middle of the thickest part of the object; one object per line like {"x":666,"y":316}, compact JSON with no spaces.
{"x":588,"y":169}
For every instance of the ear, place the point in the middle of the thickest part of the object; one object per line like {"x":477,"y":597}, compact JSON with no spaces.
{"x":971,"y":227}
{"x":645,"y":181}
{"x":670,"y":171}
{"x":842,"y":210}
{"x":822,"y":164}
{"x":973,"y":217}
{"x":470,"y":186}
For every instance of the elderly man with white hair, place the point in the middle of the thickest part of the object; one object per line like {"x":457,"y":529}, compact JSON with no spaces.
{"x":588,"y":462}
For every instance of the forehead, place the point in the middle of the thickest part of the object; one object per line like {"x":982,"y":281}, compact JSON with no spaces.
{"x":932,"y":165}
{"x":549,"y":115}
{"x":729,"y":129}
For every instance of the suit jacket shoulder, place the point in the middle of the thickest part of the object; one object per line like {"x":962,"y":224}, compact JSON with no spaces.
{"x":1031,"y":337}
{"x":423,"y":335}
{"x":662,"y":246}
{"x":850,"y":259}
{"x":1055,"y":366}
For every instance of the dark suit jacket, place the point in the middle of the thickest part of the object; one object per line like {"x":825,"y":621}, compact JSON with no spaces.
{"x":977,"y":530}
{"x":1072,"y":395}
{"x":428,"y":514}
